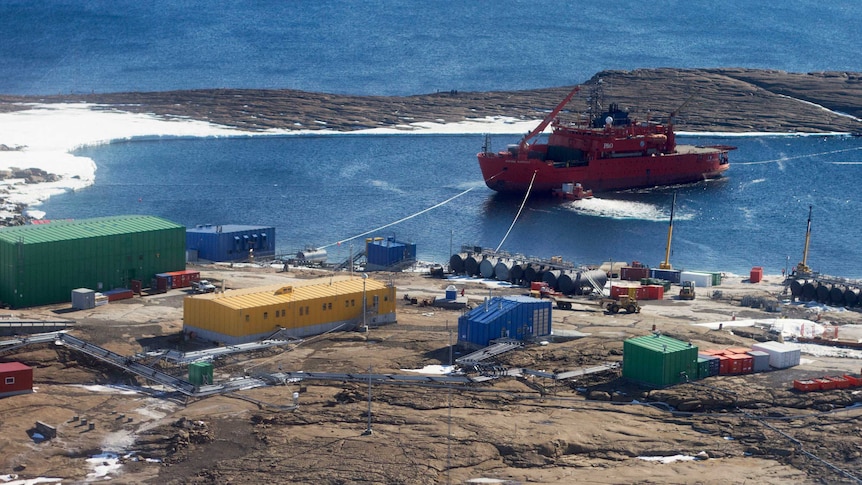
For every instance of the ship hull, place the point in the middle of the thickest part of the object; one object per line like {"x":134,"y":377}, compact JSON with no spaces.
{"x":688,"y":164}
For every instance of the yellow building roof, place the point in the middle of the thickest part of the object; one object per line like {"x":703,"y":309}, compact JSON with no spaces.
{"x":295,"y":291}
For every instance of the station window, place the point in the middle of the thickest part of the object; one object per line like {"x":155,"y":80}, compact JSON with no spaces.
{"x":10,"y":380}
{"x":346,"y":303}
{"x":324,"y":307}
{"x":352,"y":302}
{"x":301,"y":309}
{"x":246,"y":318}
{"x":306,"y":311}
{"x":329,"y":305}
{"x":265,"y":315}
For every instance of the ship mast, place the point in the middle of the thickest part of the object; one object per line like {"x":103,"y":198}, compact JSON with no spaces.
{"x":522,"y":146}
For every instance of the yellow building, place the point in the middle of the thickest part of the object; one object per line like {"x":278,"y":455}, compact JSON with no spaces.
{"x":297,"y":310}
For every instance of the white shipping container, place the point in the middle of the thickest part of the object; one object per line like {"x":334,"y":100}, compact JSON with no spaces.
{"x":781,"y":356}
{"x":701,"y":280}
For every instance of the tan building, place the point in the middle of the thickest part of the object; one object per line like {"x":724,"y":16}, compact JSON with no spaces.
{"x":298,"y":310}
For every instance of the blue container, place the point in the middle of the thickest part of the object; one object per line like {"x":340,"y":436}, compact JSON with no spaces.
{"x":514,"y":317}
{"x":167,"y":277}
{"x":714,"y":364}
{"x":388,"y":252}
{"x":451,"y":292}
{"x":665,"y":274}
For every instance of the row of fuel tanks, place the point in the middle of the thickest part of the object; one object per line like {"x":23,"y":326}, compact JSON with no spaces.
{"x":559,"y":276}
{"x":828,"y":292}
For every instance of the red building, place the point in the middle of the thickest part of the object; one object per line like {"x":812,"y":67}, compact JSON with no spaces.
{"x":15,"y":378}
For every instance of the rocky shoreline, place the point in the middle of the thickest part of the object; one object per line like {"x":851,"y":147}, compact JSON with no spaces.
{"x":722,"y":99}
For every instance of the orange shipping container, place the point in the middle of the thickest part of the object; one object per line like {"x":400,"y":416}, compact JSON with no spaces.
{"x":737,"y":350}
{"x":806,"y":386}
{"x":825,"y":384}
{"x":855,"y":381}
{"x":840,"y":382}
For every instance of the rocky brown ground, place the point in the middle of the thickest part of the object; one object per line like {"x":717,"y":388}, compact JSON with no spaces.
{"x":515,"y":430}
{"x":722,"y":99}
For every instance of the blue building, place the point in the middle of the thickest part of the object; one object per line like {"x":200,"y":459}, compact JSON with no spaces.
{"x":514,"y":317}
{"x":229,"y":242}
{"x":388,"y":254}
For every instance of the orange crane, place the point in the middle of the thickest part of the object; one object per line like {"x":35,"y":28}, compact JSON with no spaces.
{"x":523,"y":153}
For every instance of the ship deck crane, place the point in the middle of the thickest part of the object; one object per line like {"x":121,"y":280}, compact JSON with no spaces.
{"x":523,"y":153}
{"x":666,"y":263}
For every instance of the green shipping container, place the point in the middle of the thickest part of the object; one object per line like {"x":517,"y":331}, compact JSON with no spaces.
{"x":41,"y":264}
{"x":200,"y":373}
{"x":716,"y":279}
{"x":659,"y":360}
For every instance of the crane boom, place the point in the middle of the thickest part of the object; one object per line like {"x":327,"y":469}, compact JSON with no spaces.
{"x":666,"y":263}
{"x":803,"y":266}
{"x":522,"y":146}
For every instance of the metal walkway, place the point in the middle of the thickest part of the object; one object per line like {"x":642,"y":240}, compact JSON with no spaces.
{"x":248,"y":382}
{"x":488,"y":352}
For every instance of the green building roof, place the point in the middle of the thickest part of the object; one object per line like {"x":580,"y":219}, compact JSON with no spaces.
{"x":660,"y":343}
{"x":84,"y":228}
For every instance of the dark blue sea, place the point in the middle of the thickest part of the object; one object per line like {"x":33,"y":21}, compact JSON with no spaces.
{"x":319,"y":190}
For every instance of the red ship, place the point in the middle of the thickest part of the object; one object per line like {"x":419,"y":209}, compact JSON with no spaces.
{"x":612,"y":152}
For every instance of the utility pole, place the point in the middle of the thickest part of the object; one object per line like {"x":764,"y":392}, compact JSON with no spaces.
{"x":368,"y":430}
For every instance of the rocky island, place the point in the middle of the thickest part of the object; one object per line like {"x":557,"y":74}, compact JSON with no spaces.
{"x":721,"y":99}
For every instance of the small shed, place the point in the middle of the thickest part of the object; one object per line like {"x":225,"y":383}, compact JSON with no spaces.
{"x":83,"y":299}
{"x":201,"y":373}
{"x":659,"y":360}
{"x":15,"y":378}
{"x":514,"y":317}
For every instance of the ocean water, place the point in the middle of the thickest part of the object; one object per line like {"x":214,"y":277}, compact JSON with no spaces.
{"x":318,"y":191}
{"x":322,"y":190}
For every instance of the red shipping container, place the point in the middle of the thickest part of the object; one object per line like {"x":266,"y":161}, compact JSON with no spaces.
{"x":655,"y":292}
{"x":806,"y":386}
{"x":629,"y":273}
{"x":756,"y":274}
{"x":119,"y":294}
{"x":724,"y":365}
{"x":617,"y":290}
{"x":742,"y":363}
{"x":825,"y":384}
{"x":840,"y":382}
{"x":735,"y":365}
{"x":184,"y":278}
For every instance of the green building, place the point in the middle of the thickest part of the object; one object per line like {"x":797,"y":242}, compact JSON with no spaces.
{"x":41,"y":264}
{"x":658,"y":360}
